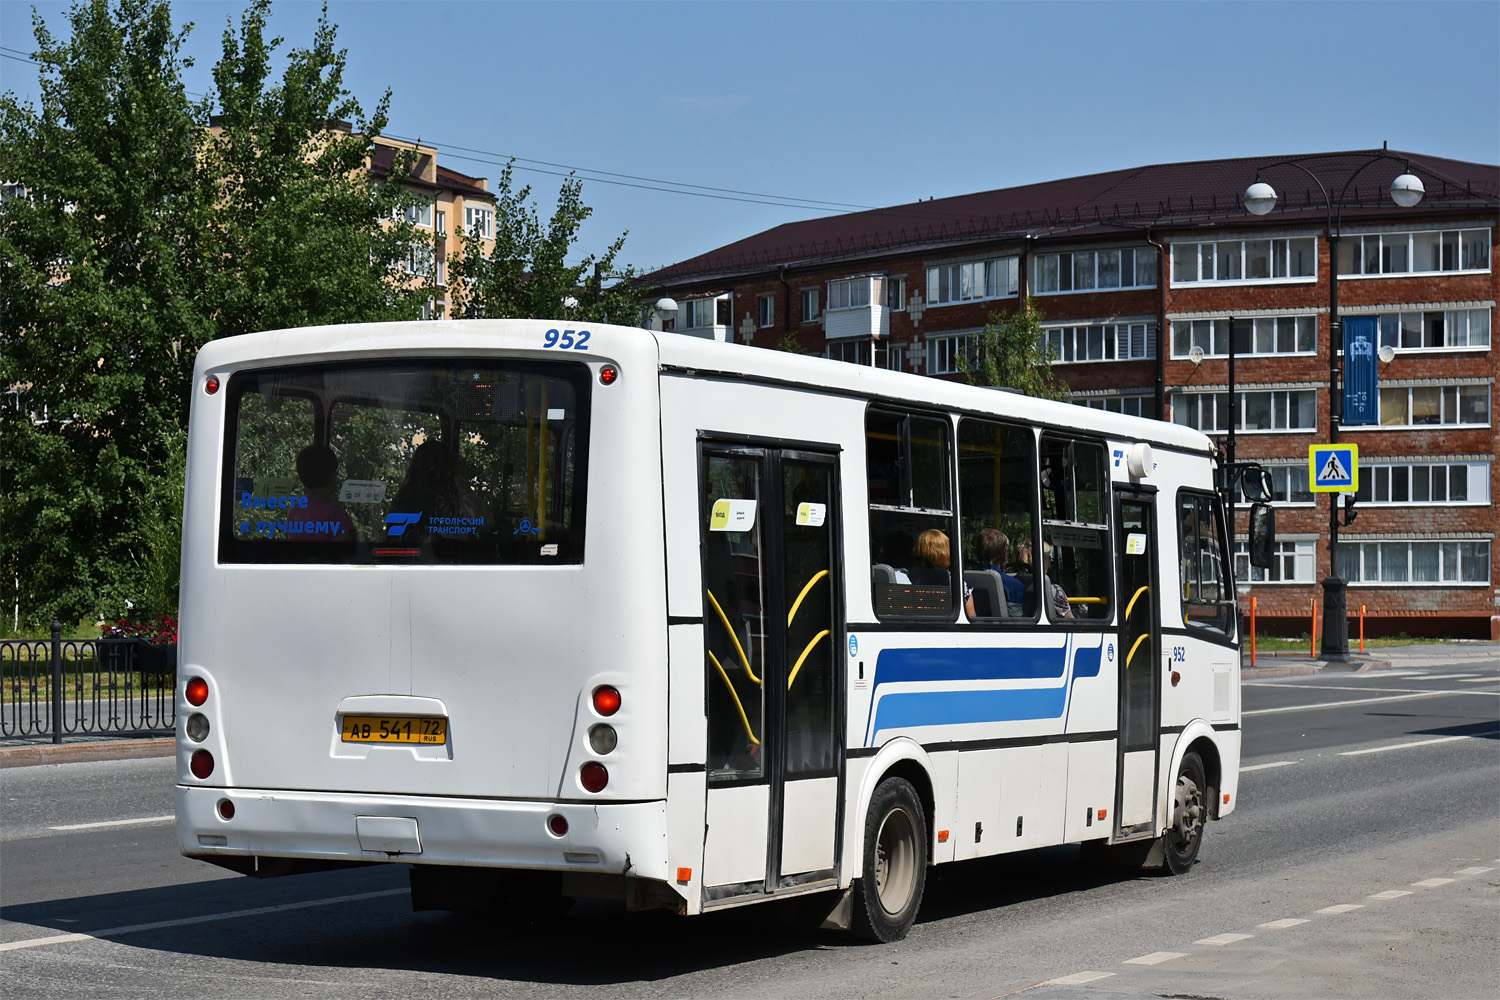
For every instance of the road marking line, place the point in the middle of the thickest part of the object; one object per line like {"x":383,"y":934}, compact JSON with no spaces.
{"x":1413,"y":696}
{"x":1341,"y":908}
{"x":1274,"y":763}
{"x":1446,"y":677}
{"x":1473,"y":871}
{"x":115,"y":822}
{"x":1077,"y":978}
{"x":1221,"y":939}
{"x":1155,"y":958}
{"x":1481,"y":680}
{"x":185,"y":921}
{"x":1277,"y":925}
{"x":1403,"y":746}
{"x":1432,"y":883}
{"x":1390,"y":894}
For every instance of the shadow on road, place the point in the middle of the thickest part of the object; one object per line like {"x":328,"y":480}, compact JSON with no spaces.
{"x":593,"y":944}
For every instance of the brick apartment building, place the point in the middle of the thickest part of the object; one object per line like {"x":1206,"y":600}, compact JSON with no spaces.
{"x":1139,"y":273}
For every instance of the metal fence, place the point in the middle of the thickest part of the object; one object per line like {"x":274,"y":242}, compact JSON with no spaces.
{"x":52,"y":688}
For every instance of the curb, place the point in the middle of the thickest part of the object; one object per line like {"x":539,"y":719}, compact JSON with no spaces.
{"x":74,"y":753}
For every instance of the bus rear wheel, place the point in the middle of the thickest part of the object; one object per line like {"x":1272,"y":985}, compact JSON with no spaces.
{"x":1189,"y":812}
{"x":894,"y":870}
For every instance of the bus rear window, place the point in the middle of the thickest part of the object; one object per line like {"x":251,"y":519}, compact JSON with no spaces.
{"x":433,"y":461}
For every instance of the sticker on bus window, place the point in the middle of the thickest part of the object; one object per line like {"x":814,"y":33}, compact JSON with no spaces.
{"x":362,"y":491}
{"x":550,"y":549}
{"x":811,"y":515}
{"x":732,"y":515}
{"x":1135,"y":544}
{"x":556,"y":413}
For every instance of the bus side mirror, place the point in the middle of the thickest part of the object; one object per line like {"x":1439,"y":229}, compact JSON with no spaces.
{"x":1262,"y":535}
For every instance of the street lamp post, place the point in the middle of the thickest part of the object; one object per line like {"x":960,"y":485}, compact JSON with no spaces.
{"x":1406,"y":190}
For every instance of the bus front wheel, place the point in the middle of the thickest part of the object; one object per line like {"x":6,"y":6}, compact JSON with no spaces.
{"x":1189,"y":812}
{"x":894,"y":871}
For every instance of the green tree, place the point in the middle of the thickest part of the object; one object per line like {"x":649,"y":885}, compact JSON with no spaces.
{"x":528,"y":275}
{"x":1012,"y":351}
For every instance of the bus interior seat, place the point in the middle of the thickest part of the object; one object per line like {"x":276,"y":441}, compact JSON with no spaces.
{"x":882,"y":573}
{"x":989,"y":593}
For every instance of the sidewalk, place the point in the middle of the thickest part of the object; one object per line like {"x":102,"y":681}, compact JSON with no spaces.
{"x":1284,"y":663}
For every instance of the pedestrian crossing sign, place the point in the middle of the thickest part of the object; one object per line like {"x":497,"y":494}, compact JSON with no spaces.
{"x":1333,"y":468}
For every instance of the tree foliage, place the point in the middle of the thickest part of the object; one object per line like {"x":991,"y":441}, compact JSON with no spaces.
{"x":1012,"y":351}
{"x":529,"y":276}
{"x":134,"y":239}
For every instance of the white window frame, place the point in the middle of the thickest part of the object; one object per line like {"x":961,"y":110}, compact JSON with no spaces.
{"x":1281,"y":405}
{"x":1384,"y":557}
{"x":1131,"y":405}
{"x":895,"y":294}
{"x":703,"y":307}
{"x":1392,"y":326}
{"x":855,"y":293}
{"x":1381,"y":483}
{"x":1236,"y":250}
{"x":765,"y":310}
{"x":1063,"y":340}
{"x":1047,"y":269}
{"x":1298,"y":555}
{"x":1283,"y":478}
{"x":1358,"y":248}
{"x":981,"y":280}
{"x":1280,"y":329}
{"x":943,"y":352}
{"x":1388,"y":391}
{"x":810,"y":305}
{"x":479,"y":220}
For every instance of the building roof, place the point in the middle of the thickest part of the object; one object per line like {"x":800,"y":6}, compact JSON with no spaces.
{"x":1099,"y":205}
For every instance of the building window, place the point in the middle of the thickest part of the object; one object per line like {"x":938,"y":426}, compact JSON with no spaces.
{"x":895,"y":294}
{"x":809,"y":305}
{"x":479,"y":221}
{"x":895,"y":358}
{"x":1131,"y":406}
{"x":1452,"y":328}
{"x":442,"y":271}
{"x":1236,"y":261}
{"x":1434,"y":406}
{"x":943,"y":353}
{"x":1415,"y":562}
{"x":419,"y":214}
{"x":1291,"y":562}
{"x":851,"y":293}
{"x":1424,"y":252}
{"x":1093,"y":269}
{"x":1274,"y":410}
{"x":765,"y":308}
{"x":971,"y":282}
{"x":1101,"y":342}
{"x":868,"y":352}
{"x":440,"y":222}
{"x":699,"y":313}
{"x":1264,"y":335}
{"x":1425,"y":483}
{"x":1289,"y":485}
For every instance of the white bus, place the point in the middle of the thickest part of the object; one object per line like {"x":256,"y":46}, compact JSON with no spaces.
{"x":554,"y":611}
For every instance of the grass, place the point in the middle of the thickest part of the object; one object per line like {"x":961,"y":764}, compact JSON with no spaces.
{"x":1275,"y":644}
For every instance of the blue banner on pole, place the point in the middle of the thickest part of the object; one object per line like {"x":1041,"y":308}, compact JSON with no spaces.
{"x":1361,"y":378}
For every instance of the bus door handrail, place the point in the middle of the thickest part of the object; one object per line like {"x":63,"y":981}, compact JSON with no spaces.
{"x":798,"y":665}
{"x":798,"y":602}
{"x":736,"y":696}
{"x":744,"y":660}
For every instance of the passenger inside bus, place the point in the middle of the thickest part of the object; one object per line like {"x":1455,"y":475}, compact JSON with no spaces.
{"x":1057,"y":597}
{"x":318,"y":468}
{"x":436,"y":485}
{"x":931,"y":557}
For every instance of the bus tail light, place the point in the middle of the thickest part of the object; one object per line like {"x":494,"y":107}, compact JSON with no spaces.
{"x":197,"y":727}
{"x":606,"y":700}
{"x":608,"y":374}
{"x":201,"y":764}
{"x":197,"y":691}
{"x":603,"y":738}
{"x":592,"y":775}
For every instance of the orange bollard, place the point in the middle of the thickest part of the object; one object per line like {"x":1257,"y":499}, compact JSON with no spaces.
{"x":1361,"y":629}
{"x":1252,"y":629}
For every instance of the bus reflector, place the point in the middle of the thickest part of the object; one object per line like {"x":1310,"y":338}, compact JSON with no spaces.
{"x":226,"y":809}
{"x":197,"y":691}
{"x":606,"y":700}
{"x":1103,"y":813}
{"x":201,"y":764}
{"x":942,"y":836}
{"x":1226,"y":798}
{"x":593,"y":776}
{"x":684,"y":874}
{"x":558,"y":825}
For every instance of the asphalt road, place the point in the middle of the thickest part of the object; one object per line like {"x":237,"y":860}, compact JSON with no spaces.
{"x":1363,"y":861}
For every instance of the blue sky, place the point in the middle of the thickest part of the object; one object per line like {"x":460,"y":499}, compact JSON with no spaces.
{"x":874,"y":104}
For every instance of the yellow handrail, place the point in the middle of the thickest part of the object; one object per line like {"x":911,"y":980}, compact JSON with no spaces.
{"x":798,"y":665}
{"x":798,"y":602}
{"x":745,"y":660}
{"x":1087,"y":600}
{"x":735,"y":695}
{"x":1133,"y":599}
{"x":1131,"y":655}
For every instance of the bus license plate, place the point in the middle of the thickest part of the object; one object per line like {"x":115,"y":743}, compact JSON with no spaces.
{"x":385,"y":729}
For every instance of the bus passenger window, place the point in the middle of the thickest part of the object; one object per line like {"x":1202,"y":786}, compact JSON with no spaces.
{"x":1207,"y":591}
{"x":1074,"y":560}
{"x":997,"y":504}
{"x":908,"y":461}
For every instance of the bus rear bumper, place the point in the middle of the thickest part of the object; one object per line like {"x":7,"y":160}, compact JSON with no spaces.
{"x":606,"y":837}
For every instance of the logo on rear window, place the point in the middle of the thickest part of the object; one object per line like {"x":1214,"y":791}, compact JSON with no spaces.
{"x":398,"y":523}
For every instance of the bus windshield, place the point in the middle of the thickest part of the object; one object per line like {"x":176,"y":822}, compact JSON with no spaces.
{"x":430,"y":461}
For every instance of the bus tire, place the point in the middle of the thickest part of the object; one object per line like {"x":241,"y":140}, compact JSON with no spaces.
{"x":894,"y":870}
{"x":1189,"y":812}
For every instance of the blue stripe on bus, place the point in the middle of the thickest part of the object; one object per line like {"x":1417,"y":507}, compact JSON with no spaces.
{"x":950,"y":708}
